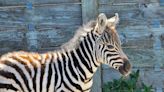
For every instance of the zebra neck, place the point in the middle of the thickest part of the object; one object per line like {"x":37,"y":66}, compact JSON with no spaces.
{"x":85,"y":56}
{"x":82,"y":58}
{"x":84,"y":63}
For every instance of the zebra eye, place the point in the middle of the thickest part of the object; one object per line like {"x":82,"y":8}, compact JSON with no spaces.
{"x":110,"y":46}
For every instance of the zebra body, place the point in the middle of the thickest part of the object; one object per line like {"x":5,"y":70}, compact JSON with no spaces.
{"x":50,"y":72}
{"x":66,"y":70}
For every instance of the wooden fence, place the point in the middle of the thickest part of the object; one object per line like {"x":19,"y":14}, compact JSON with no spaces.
{"x":43,"y":25}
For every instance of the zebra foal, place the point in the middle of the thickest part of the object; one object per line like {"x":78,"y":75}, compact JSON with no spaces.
{"x":69,"y":69}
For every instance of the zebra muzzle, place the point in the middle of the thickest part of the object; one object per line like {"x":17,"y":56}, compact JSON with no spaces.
{"x":125,"y":69}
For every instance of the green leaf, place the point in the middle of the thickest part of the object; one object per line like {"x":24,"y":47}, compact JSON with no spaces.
{"x":126,"y":85}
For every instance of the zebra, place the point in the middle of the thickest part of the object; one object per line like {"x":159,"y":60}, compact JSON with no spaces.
{"x":69,"y":69}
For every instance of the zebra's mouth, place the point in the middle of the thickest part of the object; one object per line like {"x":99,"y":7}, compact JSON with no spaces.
{"x":125,"y":69}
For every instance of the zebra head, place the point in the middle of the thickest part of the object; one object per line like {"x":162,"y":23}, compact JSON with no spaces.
{"x":108,"y":46}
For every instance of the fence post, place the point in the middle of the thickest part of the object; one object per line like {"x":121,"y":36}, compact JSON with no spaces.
{"x":31,"y":34}
{"x":90,"y":12}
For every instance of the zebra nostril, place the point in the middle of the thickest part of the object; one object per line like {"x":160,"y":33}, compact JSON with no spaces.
{"x":125,"y":68}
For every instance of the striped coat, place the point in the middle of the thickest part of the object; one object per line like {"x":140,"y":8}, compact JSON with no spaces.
{"x":69,"y":69}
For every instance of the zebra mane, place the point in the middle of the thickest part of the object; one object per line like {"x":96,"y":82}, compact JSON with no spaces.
{"x":79,"y":35}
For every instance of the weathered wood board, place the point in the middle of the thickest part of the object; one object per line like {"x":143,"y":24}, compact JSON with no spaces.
{"x":24,"y":2}
{"x":51,"y":23}
{"x":12,"y":41}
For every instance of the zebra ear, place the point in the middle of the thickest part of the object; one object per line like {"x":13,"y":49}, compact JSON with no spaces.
{"x":114,"y":20}
{"x":101,"y":23}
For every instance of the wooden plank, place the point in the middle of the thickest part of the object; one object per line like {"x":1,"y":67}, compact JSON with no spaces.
{"x":54,"y":38}
{"x":89,"y":10}
{"x":126,"y":1}
{"x":55,"y":16}
{"x":9,"y":35}
{"x":132,"y":19}
{"x":54,"y":12}
{"x":133,"y":15}
{"x":116,"y":1}
{"x":10,"y":2}
{"x":58,"y":23}
{"x":145,"y":57}
{"x":125,"y":9}
{"x":24,"y":2}
{"x":141,"y":37}
{"x":60,"y":7}
{"x":144,"y":39}
{"x":58,"y":15}
{"x":12,"y":41}
{"x":47,"y":40}
{"x":13,"y":19}
{"x":106,"y":7}
{"x":56,"y":1}
{"x":54,"y":26}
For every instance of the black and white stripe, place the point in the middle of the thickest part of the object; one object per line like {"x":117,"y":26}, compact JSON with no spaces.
{"x":65,"y":70}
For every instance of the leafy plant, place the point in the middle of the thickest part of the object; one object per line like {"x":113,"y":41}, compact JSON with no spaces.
{"x":127,"y":85}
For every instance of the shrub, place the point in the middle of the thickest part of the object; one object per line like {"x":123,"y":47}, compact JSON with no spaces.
{"x":127,"y":85}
